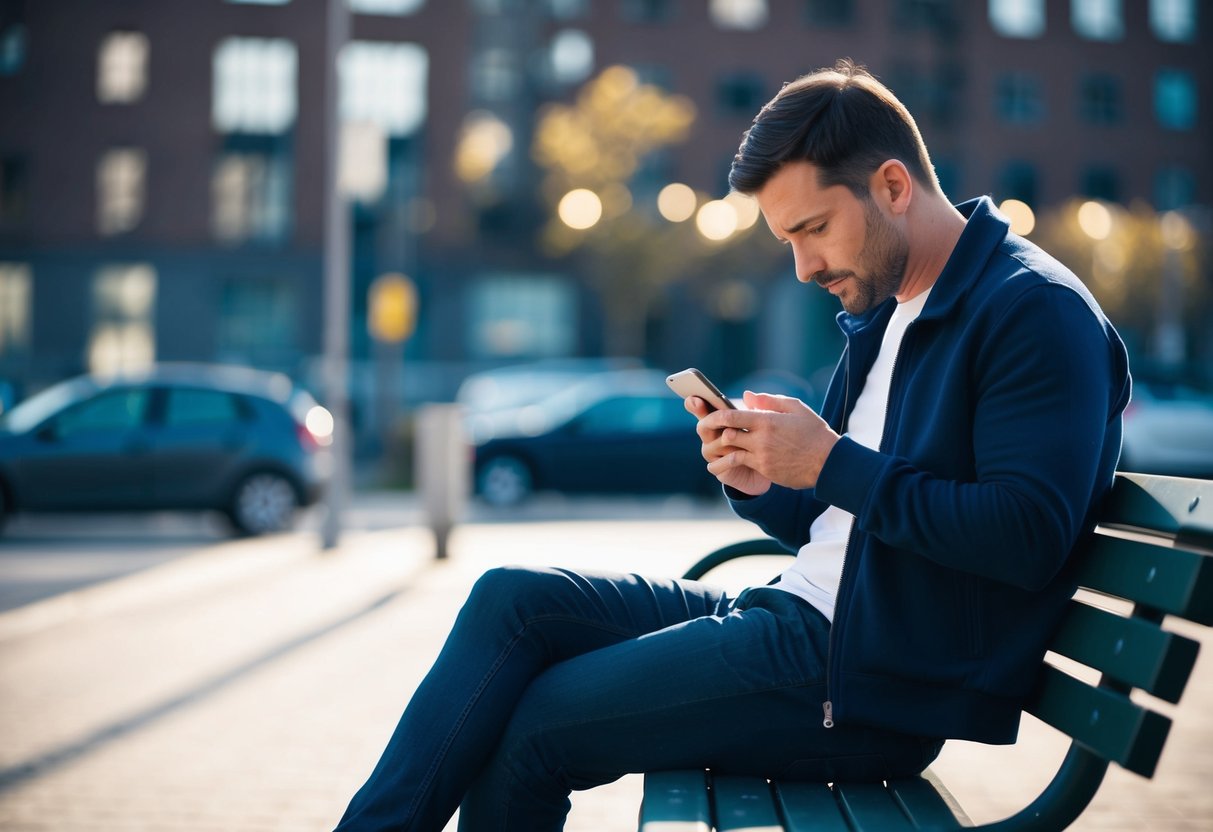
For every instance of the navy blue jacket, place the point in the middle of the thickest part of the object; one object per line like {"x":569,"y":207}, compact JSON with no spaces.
{"x":1001,"y":437}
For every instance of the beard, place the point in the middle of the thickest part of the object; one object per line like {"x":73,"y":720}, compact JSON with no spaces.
{"x":881,"y":264}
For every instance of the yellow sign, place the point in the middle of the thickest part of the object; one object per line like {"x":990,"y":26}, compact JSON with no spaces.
{"x":391,"y":308}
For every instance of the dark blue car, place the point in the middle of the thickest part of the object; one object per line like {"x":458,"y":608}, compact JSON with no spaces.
{"x":622,"y":433}
{"x":247,"y":443}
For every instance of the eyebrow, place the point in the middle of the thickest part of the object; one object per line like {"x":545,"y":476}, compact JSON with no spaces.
{"x":807,"y":221}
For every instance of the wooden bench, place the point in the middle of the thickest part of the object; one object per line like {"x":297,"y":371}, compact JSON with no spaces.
{"x":1153,"y":557}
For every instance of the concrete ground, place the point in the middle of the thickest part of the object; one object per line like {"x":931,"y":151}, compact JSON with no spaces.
{"x":250,"y":685}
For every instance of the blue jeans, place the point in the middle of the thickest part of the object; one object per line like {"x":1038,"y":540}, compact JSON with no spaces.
{"x":553,"y":680}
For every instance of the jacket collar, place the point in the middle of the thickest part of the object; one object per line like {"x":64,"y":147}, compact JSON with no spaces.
{"x":984,"y":231}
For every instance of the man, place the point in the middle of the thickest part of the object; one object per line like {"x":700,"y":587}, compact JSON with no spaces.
{"x":971,"y":428}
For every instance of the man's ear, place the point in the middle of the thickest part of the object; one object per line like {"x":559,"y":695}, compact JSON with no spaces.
{"x":893,"y":186}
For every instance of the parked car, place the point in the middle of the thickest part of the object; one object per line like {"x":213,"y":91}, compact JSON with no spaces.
{"x":247,"y":443}
{"x":620,"y":432}
{"x":1168,"y":430}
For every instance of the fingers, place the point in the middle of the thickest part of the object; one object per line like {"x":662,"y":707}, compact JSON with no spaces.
{"x":771,"y":401}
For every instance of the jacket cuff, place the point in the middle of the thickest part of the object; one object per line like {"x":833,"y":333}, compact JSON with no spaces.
{"x":849,"y":475}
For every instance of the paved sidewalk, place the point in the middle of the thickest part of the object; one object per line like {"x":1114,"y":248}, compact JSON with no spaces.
{"x":251,"y":686}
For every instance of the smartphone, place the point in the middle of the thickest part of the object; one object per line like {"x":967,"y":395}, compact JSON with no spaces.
{"x":691,"y":382}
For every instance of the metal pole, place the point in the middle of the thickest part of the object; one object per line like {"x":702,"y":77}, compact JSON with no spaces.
{"x":336,"y":278}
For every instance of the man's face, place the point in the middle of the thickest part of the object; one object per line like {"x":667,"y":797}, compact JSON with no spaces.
{"x":841,"y":243}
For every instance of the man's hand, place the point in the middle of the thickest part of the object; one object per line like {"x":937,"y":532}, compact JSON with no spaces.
{"x":778,"y":439}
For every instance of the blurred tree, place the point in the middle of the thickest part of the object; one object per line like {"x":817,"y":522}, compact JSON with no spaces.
{"x":590,"y":152}
{"x":1149,"y":271}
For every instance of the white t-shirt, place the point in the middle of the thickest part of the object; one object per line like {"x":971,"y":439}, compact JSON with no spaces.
{"x":815,"y":573}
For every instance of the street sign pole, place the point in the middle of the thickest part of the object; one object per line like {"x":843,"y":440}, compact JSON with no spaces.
{"x":336,"y":279}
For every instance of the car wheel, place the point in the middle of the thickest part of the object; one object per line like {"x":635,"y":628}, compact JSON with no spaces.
{"x":263,"y":503}
{"x":504,"y":481}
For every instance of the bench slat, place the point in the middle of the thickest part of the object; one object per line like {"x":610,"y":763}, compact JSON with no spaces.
{"x":809,"y":807}
{"x":1131,"y":650}
{"x":927,"y":803}
{"x":743,"y":803}
{"x":1175,"y":506}
{"x":1175,"y":581}
{"x":675,"y":801}
{"x":1105,"y":721}
{"x":869,"y":806}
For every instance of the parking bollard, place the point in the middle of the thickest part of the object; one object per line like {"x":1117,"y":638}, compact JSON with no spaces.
{"x":442,"y":469}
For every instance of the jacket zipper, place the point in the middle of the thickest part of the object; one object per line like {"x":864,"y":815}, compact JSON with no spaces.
{"x":827,"y":707}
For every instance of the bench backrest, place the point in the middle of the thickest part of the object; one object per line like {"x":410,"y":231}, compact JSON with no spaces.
{"x":1152,"y":556}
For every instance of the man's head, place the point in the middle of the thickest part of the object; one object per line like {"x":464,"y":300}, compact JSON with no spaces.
{"x":843,"y":121}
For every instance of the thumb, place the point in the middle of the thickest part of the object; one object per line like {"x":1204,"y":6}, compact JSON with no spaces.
{"x":769,"y":401}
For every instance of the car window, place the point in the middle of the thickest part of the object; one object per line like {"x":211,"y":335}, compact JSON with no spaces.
{"x":633,"y":414}
{"x":113,"y":410}
{"x":186,"y":406}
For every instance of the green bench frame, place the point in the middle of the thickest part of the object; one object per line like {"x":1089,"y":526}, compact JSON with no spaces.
{"x":1154,"y":550}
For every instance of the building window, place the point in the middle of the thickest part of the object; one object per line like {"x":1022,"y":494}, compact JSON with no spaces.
{"x":647,"y":11}
{"x":929,"y":94}
{"x":1100,"y":182}
{"x":1097,"y":19}
{"x":254,"y":86}
{"x":1173,"y":20}
{"x":398,"y":8}
{"x":1019,"y":99}
{"x":1174,"y":187}
{"x":260,"y":2}
{"x":570,"y":58}
{"x":829,"y":12}
{"x":14,"y":185}
{"x":12,"y":49}
{"x":258,"y":323}
{"x":496,"y":75}
{"x":937,"y":15}
{"x":523,"y":315}
{"x":251,"y":193}
{"x":568,"y":9}
{"x":15,"y":311}
{"x":1175,"y":99}
{"x":1100,"y":99}
{"x":122,"y":68}
{"x":1018,"y":181}
{"x":739,"y":14}
{"x":741,"y":94}
{"x":123,"y":336}
{"x":121,"y":189}
{"x":1018,"y":18}
{"x":384,"y":84}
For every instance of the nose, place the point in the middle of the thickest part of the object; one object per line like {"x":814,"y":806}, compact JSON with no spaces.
{"x":808,"y":264}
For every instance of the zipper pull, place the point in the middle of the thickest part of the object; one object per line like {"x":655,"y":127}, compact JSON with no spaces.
{"x":828,"y":707}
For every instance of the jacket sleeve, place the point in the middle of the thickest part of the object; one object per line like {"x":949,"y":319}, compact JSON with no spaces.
{"x":785,"y":514}
{"x":1048,"y":386}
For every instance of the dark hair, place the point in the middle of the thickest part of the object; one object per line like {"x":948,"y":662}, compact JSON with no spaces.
{"x":843,"y":121}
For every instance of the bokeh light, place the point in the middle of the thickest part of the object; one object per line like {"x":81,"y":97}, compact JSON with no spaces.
{"x":746,"y":208}
{"x":1095,"y":220}
{"x":1177,"y":232}
{"x":676,"y":202}
{"x":484,"y":141}
{"x":716,"y":220}
{"x":1022,"y":218}
{"x":580,"y":208}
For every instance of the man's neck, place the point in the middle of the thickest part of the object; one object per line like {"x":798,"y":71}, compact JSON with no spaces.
{"x":934,"y":230}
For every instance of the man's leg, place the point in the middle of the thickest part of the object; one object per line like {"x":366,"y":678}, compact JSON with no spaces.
{"x":739,"y":693}
{"x":515,"y":624}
